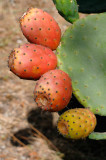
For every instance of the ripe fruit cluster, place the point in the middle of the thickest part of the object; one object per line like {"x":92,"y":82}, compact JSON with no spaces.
{"x":37,"y":61}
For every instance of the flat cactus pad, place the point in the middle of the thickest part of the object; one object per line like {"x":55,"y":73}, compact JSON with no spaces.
{"x":92,"y":6}
{"x":67,"y":9}
{"x":98,"y":136}
{"x":82,"y":54}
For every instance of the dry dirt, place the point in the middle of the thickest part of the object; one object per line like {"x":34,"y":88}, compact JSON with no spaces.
{"x":27,"y":133}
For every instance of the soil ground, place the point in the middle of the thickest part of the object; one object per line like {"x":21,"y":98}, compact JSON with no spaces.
{"x":27,"y":133}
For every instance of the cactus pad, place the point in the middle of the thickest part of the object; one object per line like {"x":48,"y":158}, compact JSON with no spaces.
{"x":92,"y":6}
{"x":97,"y":136}
{"x":67,"y":9}
{"x":82,"y":54}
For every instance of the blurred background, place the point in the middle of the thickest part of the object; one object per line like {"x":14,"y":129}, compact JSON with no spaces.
{"x":27,"y":133}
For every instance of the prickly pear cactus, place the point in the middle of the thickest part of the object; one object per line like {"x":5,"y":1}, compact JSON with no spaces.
{"x":67,"y":9}
{"x":92,"y":6}
{"x":82,"y":54}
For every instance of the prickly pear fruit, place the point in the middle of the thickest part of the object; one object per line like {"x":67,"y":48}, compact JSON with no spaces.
{"x":76,"y":123}
{"x":53,"y":90}
{"x":30,"y":61}
{"x":39,"y":27}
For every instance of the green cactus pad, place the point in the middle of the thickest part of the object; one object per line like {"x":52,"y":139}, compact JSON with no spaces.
{"x":97,"y":136}
{"x":82,"y":54}
{"x":67,"y":9}
{"x":92,"y":6}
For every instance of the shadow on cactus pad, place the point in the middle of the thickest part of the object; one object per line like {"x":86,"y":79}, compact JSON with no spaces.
{"x":92,"y":6}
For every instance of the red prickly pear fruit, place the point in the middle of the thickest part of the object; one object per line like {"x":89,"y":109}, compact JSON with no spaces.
{"x":53,"y":90}
{"x":76,"y":123}
{"x":39,"y":27}
{"x":30,"y":61}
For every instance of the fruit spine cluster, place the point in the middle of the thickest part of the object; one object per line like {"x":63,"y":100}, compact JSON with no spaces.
{"x":37,"y":61}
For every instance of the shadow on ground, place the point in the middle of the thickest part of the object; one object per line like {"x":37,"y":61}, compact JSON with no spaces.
{"x":80,"y":149}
